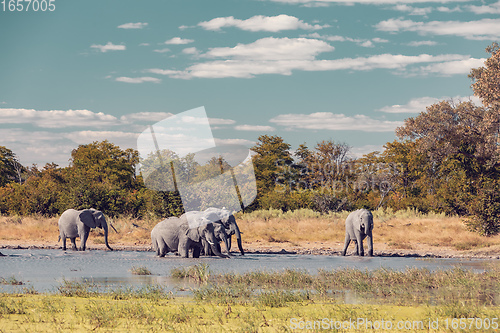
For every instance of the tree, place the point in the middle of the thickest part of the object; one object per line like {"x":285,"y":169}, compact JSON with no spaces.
{"x":486,"y":80}
{"x":101,"y":175}
{"x":447,"y":129}
{"x":10,"y":168}
{"x":271,"y":159}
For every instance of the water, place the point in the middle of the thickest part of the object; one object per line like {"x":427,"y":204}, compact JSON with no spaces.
{"x":44,"y":270}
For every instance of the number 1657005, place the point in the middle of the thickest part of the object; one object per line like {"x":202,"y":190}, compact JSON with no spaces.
{"x":28,"y":5}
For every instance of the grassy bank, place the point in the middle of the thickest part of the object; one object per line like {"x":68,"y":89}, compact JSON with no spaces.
{"x":267,"y":302}
{"x":52,"y":313}
{"x":402,"y":230}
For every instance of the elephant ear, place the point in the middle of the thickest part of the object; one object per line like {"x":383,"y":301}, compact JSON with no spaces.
{"x":87,"y":218}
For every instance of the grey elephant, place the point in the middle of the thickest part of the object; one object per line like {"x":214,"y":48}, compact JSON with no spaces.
{"x":77,"y":223}
{"x":358,"y":226}
{"x":175,"y":234}
{"x":224,"y":227}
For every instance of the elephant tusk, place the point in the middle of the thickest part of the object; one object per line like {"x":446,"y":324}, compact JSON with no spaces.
{"x":209,"y":242}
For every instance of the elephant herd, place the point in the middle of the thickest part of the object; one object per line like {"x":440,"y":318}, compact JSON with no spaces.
{"x":199,"y":231}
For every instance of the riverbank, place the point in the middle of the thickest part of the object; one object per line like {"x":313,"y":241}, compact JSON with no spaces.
{"x":396,"y":234}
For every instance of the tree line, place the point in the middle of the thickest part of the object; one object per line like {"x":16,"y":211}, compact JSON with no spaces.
{"x":446,"y":159}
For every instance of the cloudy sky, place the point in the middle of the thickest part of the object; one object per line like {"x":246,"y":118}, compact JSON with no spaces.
{"x":346,"y":70}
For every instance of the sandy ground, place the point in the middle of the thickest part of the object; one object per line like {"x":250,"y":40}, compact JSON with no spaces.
{"x":312,"y":248}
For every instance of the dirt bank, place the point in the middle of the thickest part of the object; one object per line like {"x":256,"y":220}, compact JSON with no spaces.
{"x":306,"y":248}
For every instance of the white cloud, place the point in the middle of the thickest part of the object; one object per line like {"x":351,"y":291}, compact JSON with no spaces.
{"x":220,"y":121}
{"x":56,"y":118}
{"x":260,"y":23}
{"x":243,"y":142}
{"x":190,"y":50}
{"x":451,"y":67}
{"x":244,"y":66}
{"x":108,"y":47}
{"x":271,"y":48}
{"x":119,"y":138}
{"x":146,"y":117}
{"x":165,"y":50}
{"x":254,"y":128}
{"x":334,"y":122}
{"x":417,"y":105}
{"x":337,"y":38}
{"x":449,"y":10}
{"x":137,"y":25}
{"x":178,"y":41}
{"x":485,"y":9}
{"x":486,"y":29}
{"x":137,"y":79}
{"x":144,"y":44}
{"x":413,"y":10}
{"x":422,"y":43}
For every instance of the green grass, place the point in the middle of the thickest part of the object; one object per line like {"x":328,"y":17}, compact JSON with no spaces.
{"x":140,"y":270}
{"x":263,"y":301}
{"x":273,"y":312}
{"x":198,"y":273}
{"x":413,"y":286}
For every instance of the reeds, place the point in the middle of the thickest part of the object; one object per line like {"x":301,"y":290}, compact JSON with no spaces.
{"x":413,"y":286}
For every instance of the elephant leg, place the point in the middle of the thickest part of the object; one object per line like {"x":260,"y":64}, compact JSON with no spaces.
{"x":73,"y":243}
{"x":196,"y":251}
{"x":346,"y":244}
{"x":83,"y":241}
{"x":162,"y":248}
{"x":63,"y":238}
{"x":370,"y":245}
{"x":359,"y":240}
{"x":183,"y":248}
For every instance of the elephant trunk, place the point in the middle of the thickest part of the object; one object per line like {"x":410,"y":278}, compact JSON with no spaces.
{"x":226,"y":240}
{"x":105,"y":228}
{"x":238,"y":239}
{"x":215,"y":249}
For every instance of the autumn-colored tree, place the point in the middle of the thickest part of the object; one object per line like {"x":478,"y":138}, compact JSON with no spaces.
{"x":486,"y":80}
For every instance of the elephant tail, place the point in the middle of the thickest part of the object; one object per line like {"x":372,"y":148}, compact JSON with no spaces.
{"x":59,"y":239}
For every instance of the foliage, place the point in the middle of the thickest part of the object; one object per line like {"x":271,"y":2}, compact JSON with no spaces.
{"x":10,"y":168}
{"x":485,"y":210}
{"x":486,"y":80}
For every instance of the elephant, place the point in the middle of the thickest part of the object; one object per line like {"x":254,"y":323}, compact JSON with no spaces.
{"x":358,"y":225}
{"x":77,"y":223}
{"x":174,"y":234}
{"x":224,"y":227}
{"x":221,"y":236}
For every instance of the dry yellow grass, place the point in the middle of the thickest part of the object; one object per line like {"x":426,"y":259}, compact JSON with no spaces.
{"x":304,"y":229}
{"x":406,"y":230}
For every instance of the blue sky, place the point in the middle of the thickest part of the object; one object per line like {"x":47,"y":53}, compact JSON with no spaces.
{"x":350,"y":71}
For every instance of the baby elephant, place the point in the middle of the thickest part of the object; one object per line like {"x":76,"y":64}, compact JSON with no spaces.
{"x":358,"y":225}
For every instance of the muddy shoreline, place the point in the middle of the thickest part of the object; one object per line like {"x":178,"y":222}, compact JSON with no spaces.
{"x":259,"y":249}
